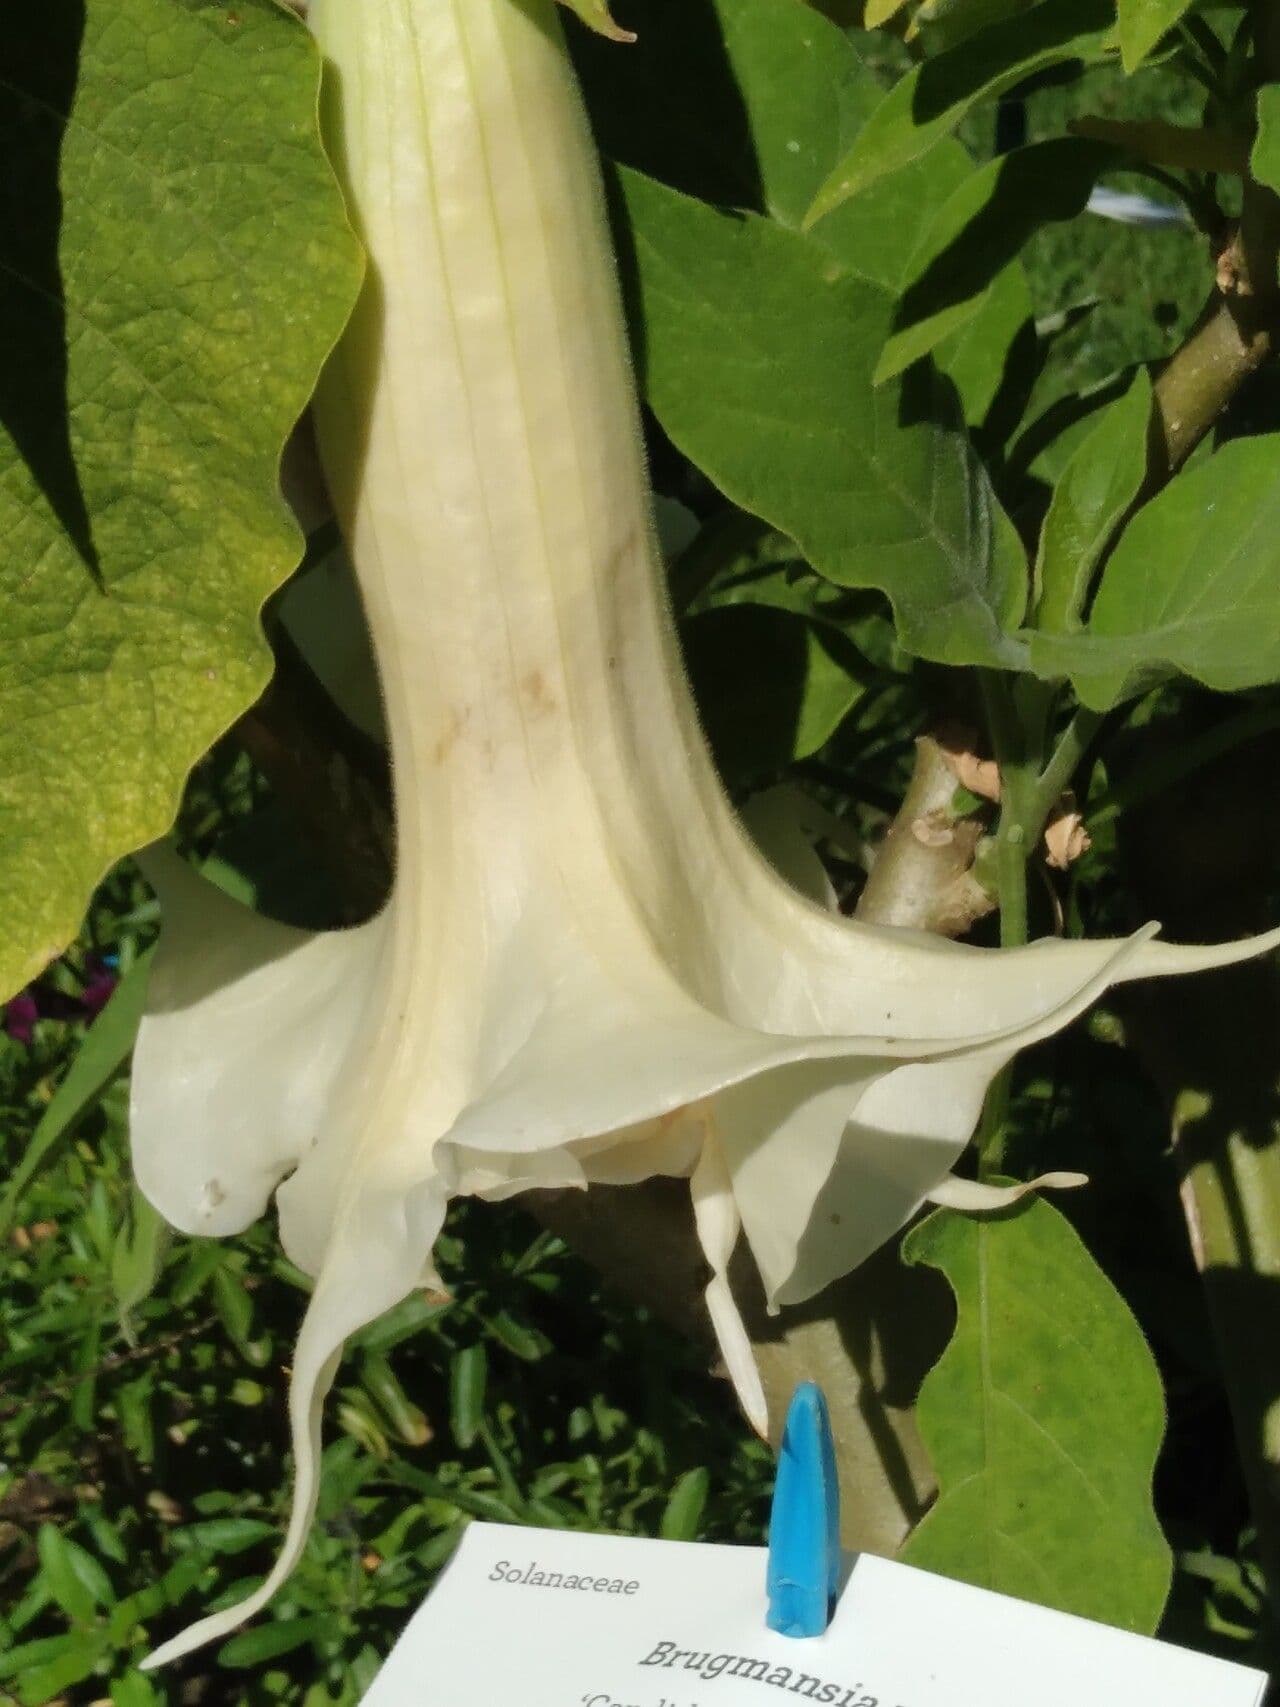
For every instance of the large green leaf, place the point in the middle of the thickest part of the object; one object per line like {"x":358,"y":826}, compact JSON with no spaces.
{"x":1142,"y":23}
{"x":750,"y":104}
{"x":758,"y":354}
{"x":174,"y":266}
{"x":1102,"y":479}
{"x":1043,"y":1419}
{"x":1264,"y":162}
{"x":931,"y":100}
{"x":1193,"y":586}
{"x":981,"y":228}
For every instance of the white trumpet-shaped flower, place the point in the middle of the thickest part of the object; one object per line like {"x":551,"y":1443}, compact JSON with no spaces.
{"x":585,"y":972}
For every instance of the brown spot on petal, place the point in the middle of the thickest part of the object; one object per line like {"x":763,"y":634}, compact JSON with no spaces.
{"x":448,"y":739}
{"x":537,"y":695}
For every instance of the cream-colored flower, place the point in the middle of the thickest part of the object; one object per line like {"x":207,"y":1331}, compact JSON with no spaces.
{"x":585,"y":972}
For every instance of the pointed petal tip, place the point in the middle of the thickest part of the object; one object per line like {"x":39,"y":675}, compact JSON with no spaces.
{"x":178,"y":1647}
{"x":596,"y":15}
{"x":973,"y":1196}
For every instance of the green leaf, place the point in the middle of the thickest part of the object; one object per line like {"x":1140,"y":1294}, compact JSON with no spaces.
{"x":1142,"y":23}
{"x":521,"y":1340}
{"x":269,"y":1641}
{"x":98,"y":1060}
{"x":468,"y":1378}
{"x":751,"y":104}
{"x":1043,"y":1419}
{"x":138,"y":1254}
{"x":682,"y":1515}
{"x":998,"y":340}
{"x":1192,"y":586}
{"x":1098,"y":485}
{"x":134,"y":1690}
{"x":228,"y":1535}
{"x":404,"y":1321}
{"x":74,"y":1578}
{"x":384,"y":1390}
{"x":135,"y":1413}
{"x":980,"y":229}
{"x":1264,"y":162}
{"x":931,"y":100}
{"x":878,"y":12}
{"x":758,"y":356}
{"x":26,"y":1657}
{"x":234,"y":1306}
{"x":79,"y":1659}
{"x":175,"y":264}
{"x":775,"y":656}
{"x":771,"y":686}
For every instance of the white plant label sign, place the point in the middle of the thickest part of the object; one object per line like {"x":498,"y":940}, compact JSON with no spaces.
{"x":544,"y":1618}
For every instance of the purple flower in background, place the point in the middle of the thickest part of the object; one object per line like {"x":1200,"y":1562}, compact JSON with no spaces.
{"x":36,"y":1003}
{"x":99,"y":984}
{"x":20,"y":1016}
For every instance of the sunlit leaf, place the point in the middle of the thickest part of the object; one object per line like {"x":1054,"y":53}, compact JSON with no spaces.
{"x":683,"y":1512}
{"x":932,"y":99}
{"x":174,"y":265}
{"x":1089,"y":502}
{"x":981,"y":228}
{"x":759,"y":354}
{"x":1193,"y":586}
{"x":1142,"y":23}
{"x":1265,"y":159}
{"x":751,"y":104}
{"x":1043,"y":1419}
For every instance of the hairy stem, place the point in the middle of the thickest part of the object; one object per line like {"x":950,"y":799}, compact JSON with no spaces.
{"x":1016,"y":834}
{"x":1063,"y":764}
{"x":1030,"y":789}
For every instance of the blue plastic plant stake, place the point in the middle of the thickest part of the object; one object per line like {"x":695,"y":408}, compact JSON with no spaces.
{"x":804,"y":1527}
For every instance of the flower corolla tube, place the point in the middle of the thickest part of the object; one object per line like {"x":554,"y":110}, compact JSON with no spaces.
{"x":585,"y":972}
